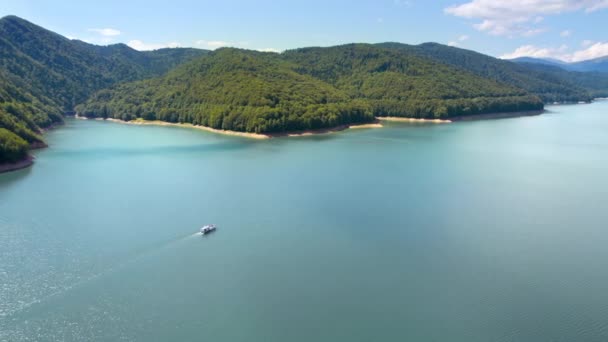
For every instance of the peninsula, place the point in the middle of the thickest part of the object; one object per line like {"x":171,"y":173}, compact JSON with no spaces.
{"x":259,"y":94}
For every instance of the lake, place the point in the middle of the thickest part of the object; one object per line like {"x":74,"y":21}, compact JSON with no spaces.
{"x":474,"y":231}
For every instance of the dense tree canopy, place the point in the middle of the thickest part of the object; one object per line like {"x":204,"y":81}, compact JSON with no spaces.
{"x":550,"y":87}
{"x":22,"y":113}
{"x":68,"y":71}
{"x":596,"y":83}
{"x":12,"y":147}
{"x":232,"y":89}
{"x":396,"y":83}
{"x":44,"y":75}
{"x":305,"y":89}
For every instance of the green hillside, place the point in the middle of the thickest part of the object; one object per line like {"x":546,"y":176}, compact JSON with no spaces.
{"x":12,"y":147}
{"x":68,"y":71}
{"x":314,"y":88}
{"x":24,"y":114}
{"x":232,"y":89}
{"x":402,"y":84}
{"x":44,"y":75}
{"x":549,"y":87}
{"x":596,"y":83}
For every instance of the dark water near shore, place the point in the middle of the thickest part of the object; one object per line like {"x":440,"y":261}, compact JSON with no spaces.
{"x":479,"y":231}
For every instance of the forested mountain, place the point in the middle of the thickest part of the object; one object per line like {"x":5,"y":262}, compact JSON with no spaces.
{"x":232,"y":89}
{"x":306,"y":89}
{"x":544,"y":61}
{"x":43,"y":74}
{"x":550,"y":87}
{"x":21,"y":114}
{"x":596,"y":83}
{"x":597,"y":65}
{"x":68,"y":71}
{"x":395,"y":83}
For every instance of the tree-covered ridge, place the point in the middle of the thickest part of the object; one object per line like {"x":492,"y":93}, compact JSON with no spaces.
{"x":12,"y":147}
{"x":304,"y":89}
{"x":24,"y":114}
{"x":43,"y":74}
{"x":550,"y":87}
{"x":596,"y":83}
{"x":235,"y":90}
{"x":68,"y":71}
{"x":395,"y":83}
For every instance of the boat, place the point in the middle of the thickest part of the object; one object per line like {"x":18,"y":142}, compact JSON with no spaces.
{"x":208,"y":229}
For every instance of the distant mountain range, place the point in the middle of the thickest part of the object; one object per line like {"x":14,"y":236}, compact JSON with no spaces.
{"x":44,"y":76}
{"x":598,"y":64}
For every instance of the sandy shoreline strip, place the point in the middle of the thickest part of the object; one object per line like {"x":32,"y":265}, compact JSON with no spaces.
{"x":376,"y":124}
{"x":242,"y":134}
{"x":187,"y":125}
{"x":489,"y":116}
{"x":493,"y":116}
{"x":402,"y":119}
{"x":324,"y":130}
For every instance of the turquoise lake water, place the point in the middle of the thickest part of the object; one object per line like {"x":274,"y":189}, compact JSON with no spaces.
{"x":478,"y":231}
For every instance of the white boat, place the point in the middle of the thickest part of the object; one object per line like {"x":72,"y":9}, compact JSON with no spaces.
{"x":208,"y":229}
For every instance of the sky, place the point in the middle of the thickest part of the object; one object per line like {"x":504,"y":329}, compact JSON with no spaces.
{"x":570,"y":30}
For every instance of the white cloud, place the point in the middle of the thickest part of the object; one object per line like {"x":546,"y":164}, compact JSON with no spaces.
{"x":269,"y":50}
{"x":106,"y":32}
{"x":587,"y":42}
{"x":566,"y":33}
{"x":591,"y":50}
{"x":536,"y":52}
{"x":459,"y":40}
{"x":141,"y":46}
{"x":518,"y":17}
{"x":104,"y":35}
{"x":215,"y":44}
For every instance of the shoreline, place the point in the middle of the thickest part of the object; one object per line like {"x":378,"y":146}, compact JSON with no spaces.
{"x":293,"y":134}
{"x":320,"y":131}
{"x":259,"y":136}
{"x":488,"y":116}
{"x":404,"y":119}
{"x":22,"y":164}
{"x":142,"y":122}
{"x":494,"y":116}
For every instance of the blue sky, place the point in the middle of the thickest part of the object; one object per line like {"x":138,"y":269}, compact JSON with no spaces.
{"x":565,"y":29}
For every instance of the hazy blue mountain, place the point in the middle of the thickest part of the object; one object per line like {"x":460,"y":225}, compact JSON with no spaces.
{"x":544,"y":61}
{"x":597,"y":64}
{"x":592,"y":65}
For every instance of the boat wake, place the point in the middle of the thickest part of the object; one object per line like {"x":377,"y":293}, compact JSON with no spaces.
{"x":108,"y":271}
